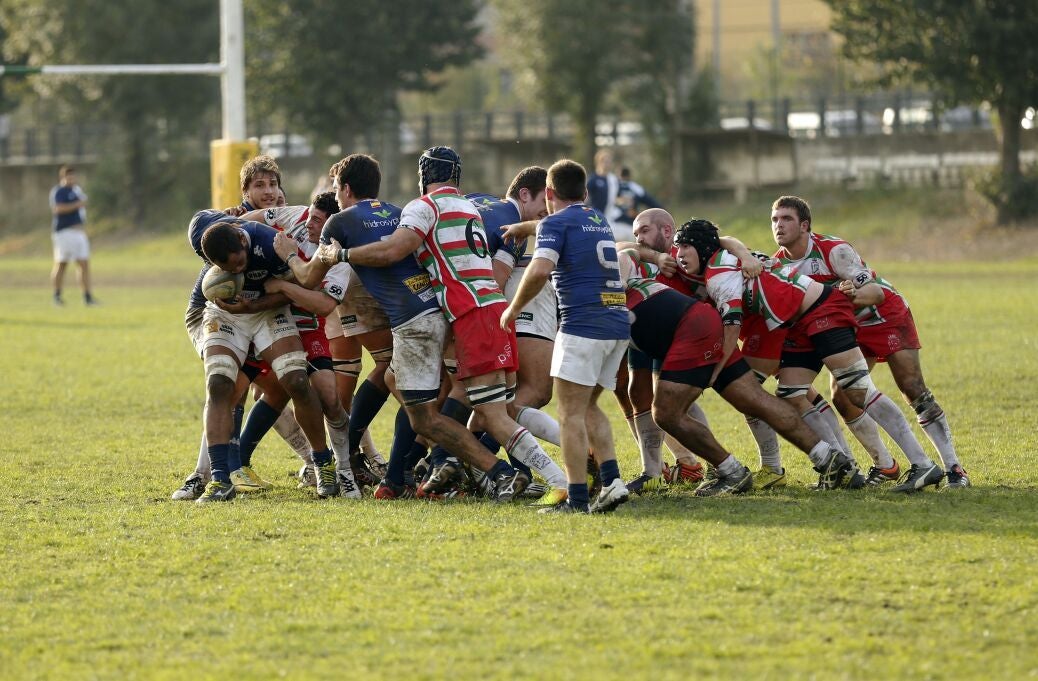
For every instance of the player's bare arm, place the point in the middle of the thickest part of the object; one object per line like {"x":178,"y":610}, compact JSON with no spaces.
{"x":318,"y":302}
{"x":751,"y":267}
{"x":534,"y":278}
{"x":520,"y":230}
{"x":667,"y":264}
{"x":401,"y":244}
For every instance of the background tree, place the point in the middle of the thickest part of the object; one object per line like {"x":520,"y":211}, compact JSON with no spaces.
{"x":982,"y":50}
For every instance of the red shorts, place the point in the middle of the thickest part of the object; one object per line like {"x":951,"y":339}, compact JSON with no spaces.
{"x":758,"y":342}
{"x":698,"y":340}
{"x":897,"y":333}
{"x":315,"y":343}
{"x":480,"y":345}
{"x":835,"y":312}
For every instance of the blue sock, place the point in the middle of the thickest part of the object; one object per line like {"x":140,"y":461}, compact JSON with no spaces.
{"x":438,"y":456}
{"x":453,"y":409}
{"x":366,"y":404}
{"x":261,"y":420}
{"x":609,"y":470}
{"x":218,"y":463}
{"x":234,"y":454}
{"x":416,"y":454}
{"x":499,"y":468}
{"x":578,"y":496}
{"x":322,"y":457}
{"x":403,"y":441}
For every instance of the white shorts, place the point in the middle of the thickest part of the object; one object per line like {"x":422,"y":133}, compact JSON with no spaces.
{"x":333,"y":326}
{"x":587,"y":361}
{"x":193,"y":321}
{"x":540,"y":317}
{"x":418,"y":352}
{"x":622,"y":232}
{"x":359,"y":312}
{"x":70,"y":244}
{"x":238,"y":331}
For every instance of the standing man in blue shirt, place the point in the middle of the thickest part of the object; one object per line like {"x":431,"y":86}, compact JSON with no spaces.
{"x":575,"y":245}
{"x":68,"y":204}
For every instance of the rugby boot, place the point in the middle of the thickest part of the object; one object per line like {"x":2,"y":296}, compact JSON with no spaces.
{"x":610,"y":498}
{"x":737,"y":482}
{"x":956,"y":478}
{"x":877,"y":476}
{"x":216,"y":491}
{"x":919,"y":477}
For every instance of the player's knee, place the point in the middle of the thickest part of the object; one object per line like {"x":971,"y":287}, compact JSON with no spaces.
{"x":221,"y":371}
{"x":665,"y":416}
{"x":287,"y":364}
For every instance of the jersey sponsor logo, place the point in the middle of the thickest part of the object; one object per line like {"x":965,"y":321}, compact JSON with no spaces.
{"x":376,"y":224}
{"x":280,"y":319}
{"x":418,"y":282}
{"x":862,"y":278}
{"x":258,"y":250}
{"x":256,"y":274}
{"x":271,"y":214}
{"x":595,"y":219}
{"x":212,"y":326}
{"x":525,"y":317}
{"x":226,"y":328}
{"x":611,"y":299}
{"x":335,"y":290}
{"x":382,"y":213}
{"x":427,"y":295}
{"x":346,"y":320}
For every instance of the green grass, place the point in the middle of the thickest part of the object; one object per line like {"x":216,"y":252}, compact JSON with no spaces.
{"x":103,"y":577}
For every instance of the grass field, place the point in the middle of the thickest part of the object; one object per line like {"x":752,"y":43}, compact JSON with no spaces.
{"x":104,"y":577}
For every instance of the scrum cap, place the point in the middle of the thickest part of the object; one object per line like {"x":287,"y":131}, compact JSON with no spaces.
{"x":701,"y":235}
{"x":438,"y":164}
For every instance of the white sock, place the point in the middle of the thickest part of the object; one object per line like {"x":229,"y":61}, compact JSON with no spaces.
{"x":371,"y":453}
{"x":524,"y":447}
{"x":540,"y":425}
{"x":339,"y":438}
{"x":820,"y":425}
{"x":820,"y":452}
{"x":767,"y":444}
{"x":696,"y":412}
{"x":682,"y":454}
{"x":829,"y":415}
{"x":289,"y":430}
{"x":939,"y":432}
{"x":867,"y":433}
{"x":729,"y":466}
{"x":885,"y":413}
{"x":202,"y":465}
{"x":650,"y":444}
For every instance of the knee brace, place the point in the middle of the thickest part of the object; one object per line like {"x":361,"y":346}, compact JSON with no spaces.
{"x":346,"y":367}
{"x":289,"y":362}
{"x":787,"y":392}
{"x":926,"y":407}
{"x":855,"y":377}
{"x":485,"y":394}
{"x":510,"y":393}
{"x":220,"y":365}
{"x":382,"y":355}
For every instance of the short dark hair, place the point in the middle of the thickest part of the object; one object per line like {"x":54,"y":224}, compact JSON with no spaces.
{"x":532,"y":178}
{"x":796,"y":203}
{"x":326,"y":203}
{"x":568,"y":180}
{"x":221,"y":241}
{"x":65,"y":170}
{"x":255,"y":166}
{"x":361,"y":172}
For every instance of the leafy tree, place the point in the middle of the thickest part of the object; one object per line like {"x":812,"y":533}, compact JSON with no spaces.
{"x":981,"y":50}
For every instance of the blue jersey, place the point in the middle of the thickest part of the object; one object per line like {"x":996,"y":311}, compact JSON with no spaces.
{"x":264,"y":263}
{"x":403,"y":288}
{"x":496,"y":213}
{"x":203,"y":220}
{"x":62,"y":194}
{"x":592,"y":302}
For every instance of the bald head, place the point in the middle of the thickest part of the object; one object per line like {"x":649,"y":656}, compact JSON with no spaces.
{"x":654,"y":228}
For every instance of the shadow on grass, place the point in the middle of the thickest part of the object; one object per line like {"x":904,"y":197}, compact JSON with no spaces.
{"x":994,"y":510}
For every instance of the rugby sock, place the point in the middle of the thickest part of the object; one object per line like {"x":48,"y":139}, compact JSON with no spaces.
{"x":885,"y":413}
{"x":456,"y":410}
{"x":818,"y":454}
{"x":261,"y":419}
{"x":438,"y":456}
{"x":417,"y":453}
{"x":650,"y":444}
{"x":218,"y":463}
{"x":234,"y":453}
{"x":367,"y":445}
{"x":488,"y":441}
{"x":630,"y":424}
{"x":542,"y":426}
{"x":499,"y":468}
{"x":366,"y":404}
{"x":403,"y":441}
{"x":609,"y":470}
{"x":696,"y":412}
{"x":767,"y":444}
{"x":682,"y":454}
{"x":867,"y":433}
{"x":322,"y":457}
{"x":523,"y":448}
{"x":339,"y":438}
{"x":202,"y":464}
{"x":820,"y":425}
{"x":829,"y":415}
{"x":288,"y":428}
{"x":578,"y":496}
{"x":729,"y":466}
{"x":937,"y":429}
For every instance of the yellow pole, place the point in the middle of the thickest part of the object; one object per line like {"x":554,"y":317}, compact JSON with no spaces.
{"x":226,"y":159}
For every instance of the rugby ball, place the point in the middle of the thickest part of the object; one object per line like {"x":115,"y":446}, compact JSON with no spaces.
{"x":219,"y":284}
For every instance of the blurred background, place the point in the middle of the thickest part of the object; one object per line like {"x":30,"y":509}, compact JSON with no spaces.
{"x":700,"y":99}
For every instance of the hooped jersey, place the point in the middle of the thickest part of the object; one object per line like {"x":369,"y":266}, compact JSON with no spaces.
{"x":639,"y":279}
{"x":403,"y":289}
{"x":775,"y":295}
{"x":592,"y":303}
{"x":830,"y":259}
{"x":292,"y":221}
{"x":454,"y":251}
{"x":497,"y":213}
{"x":690,"y":284}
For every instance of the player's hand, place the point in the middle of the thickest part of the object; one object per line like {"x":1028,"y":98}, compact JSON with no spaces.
{"x":235,"y":211}
{"x":517,"y":232}
{"x":328,"y":254}
{"x":751,"y":268}
{"x":847,"y":289}
{"x":508,"y":318}
{"x":235,"y":305}
{"x":284,"y":246}
{"x":667,"y":264}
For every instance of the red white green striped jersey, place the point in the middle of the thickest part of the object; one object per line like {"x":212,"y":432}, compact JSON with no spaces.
{"x":691,"y":285}
{"x":639,"y":279}
{"x":454,"y":251}
{"x":775,"y":295}
{"x":830,"y":260}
